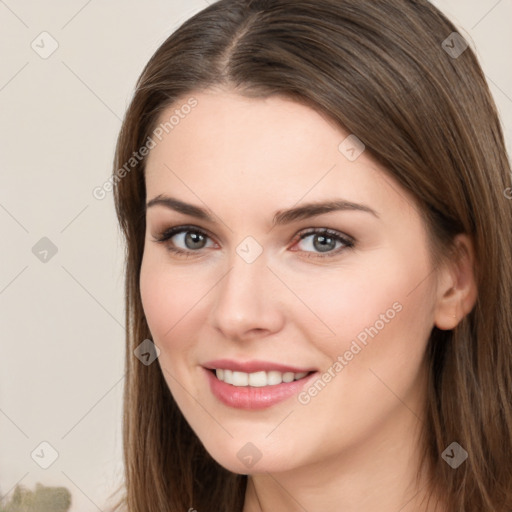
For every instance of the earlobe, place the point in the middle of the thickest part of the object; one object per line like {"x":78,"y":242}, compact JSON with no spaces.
{"x":457,"y":289}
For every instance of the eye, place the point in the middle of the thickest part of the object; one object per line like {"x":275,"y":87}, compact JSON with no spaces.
{"x":190,"y":238}
{"x":327,"y":242}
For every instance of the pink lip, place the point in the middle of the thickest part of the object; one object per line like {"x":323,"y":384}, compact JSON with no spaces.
{"x":253,"y":366}
{"x":254,"y":398}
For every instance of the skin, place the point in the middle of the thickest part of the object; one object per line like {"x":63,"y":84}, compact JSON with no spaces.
{"x":354,"y":446}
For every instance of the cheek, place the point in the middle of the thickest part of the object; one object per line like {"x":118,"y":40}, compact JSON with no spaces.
{"x":167,"y":298}
{"x":378,"y":315}
{"x":345,"y":301}
{"x":382,"y":321}
{"x":170,"y":301}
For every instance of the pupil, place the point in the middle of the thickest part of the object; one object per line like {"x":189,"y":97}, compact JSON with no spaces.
{"x":323,"y":247}
{"x":322,"y":243}
{"x":194,"y":239}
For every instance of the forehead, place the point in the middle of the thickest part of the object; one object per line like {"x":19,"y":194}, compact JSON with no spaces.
{"x":258,"y":151}
{"x":229,"y":126}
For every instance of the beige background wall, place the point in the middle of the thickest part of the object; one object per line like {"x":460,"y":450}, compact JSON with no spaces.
{"x":61,"y":320}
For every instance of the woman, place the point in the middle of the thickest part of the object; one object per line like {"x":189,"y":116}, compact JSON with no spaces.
{"x":318,"y":278}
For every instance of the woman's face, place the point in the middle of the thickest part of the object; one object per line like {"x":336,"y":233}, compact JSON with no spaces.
{"x":354,"y":305}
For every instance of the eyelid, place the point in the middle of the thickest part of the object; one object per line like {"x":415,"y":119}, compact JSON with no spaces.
{"x":329,"y":231}
{"x":174,"y":230}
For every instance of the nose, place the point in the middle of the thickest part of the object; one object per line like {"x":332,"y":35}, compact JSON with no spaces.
{"x":248,"y":301}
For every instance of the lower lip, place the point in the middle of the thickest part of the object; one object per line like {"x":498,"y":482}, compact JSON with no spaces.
{"x":253,"y":398}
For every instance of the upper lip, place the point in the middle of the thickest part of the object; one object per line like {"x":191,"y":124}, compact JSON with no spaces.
{"x":253,"y":366}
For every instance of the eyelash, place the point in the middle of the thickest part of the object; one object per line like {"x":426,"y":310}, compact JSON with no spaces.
{"x":347,"y":241}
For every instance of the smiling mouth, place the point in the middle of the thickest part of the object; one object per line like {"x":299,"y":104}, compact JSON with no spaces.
{"x":257,"y":379}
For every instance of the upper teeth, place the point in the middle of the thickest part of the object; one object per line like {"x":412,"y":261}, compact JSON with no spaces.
{"x":257,"y":379}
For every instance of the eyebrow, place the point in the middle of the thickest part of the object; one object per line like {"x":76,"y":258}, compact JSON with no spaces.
{"x":281,"y":217}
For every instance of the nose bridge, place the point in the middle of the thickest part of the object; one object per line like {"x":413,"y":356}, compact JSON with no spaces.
{"x":245,"y":298}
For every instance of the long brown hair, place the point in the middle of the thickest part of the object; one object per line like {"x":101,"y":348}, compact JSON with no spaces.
{"x":386,"y":71}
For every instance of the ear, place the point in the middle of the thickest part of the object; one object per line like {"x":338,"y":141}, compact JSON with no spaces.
{"x":457,"y":290}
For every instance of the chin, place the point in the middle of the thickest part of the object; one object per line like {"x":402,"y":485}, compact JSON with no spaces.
{"x":247,"y":458}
